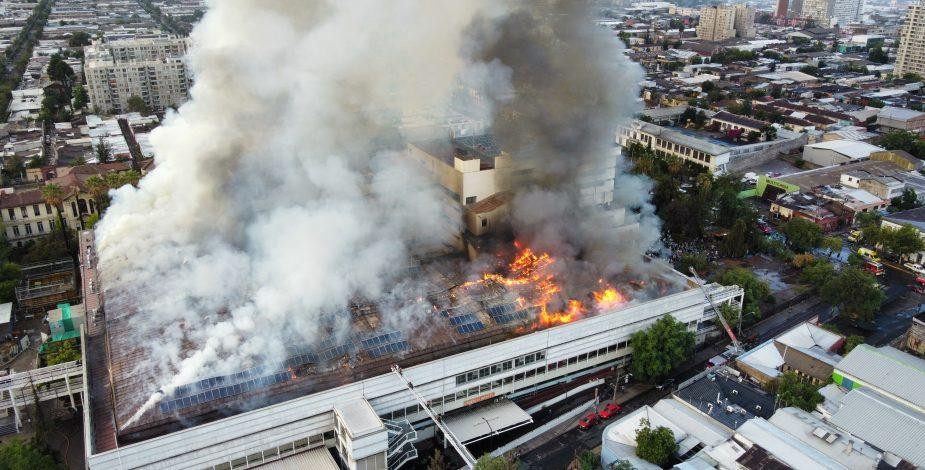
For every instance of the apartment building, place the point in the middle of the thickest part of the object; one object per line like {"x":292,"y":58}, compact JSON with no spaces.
{"x":151,"y":68}
{"x":846,"y":12}
{"x":745,"y":21}
{"x":911,"y":55}
{"x":819,"y":10}
{"x":717,"y":23}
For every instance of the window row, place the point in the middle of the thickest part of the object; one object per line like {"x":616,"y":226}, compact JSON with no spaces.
{"x":500,"y":367}
{"x":274,"y":453}
{"x":27,"y":228}
{"x":505,"y":381}
{"x":24,"y":211}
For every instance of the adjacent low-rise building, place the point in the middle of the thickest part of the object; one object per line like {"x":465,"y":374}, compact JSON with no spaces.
{"x":836,"y":152}
{"x":892,"y":118}
{"x":807,"y":350}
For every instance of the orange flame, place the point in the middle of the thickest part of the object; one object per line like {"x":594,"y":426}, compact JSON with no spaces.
{"x":608,"y":298}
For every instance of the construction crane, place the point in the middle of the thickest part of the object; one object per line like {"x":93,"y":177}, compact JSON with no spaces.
{"x":735,"y":341}
{"x":454,"y":441}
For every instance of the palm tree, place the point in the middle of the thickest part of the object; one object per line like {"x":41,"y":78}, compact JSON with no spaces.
{"x":98,"y":189}
{"x":114,"y":180}
{"x":54,"y":196}
{"x":131,"y":177}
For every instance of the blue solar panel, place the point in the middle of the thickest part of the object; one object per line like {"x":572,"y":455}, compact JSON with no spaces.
{"x":470,"y":328}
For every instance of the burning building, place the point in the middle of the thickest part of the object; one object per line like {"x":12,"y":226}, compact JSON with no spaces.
{"x":494,"y":338}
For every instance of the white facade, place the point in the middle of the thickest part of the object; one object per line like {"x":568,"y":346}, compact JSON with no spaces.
{"x":573,"y":349}
{"x":152,"y":69}
{"x":846,"y":12}
{"x":819,"y":10}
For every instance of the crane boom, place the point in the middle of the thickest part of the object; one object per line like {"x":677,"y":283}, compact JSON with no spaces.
{"x":454,"y":441}
{"x":701,"y":283}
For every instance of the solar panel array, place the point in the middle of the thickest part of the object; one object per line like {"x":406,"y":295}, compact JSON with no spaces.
{"x":383,"y":344}
{"x":255,"y":378}
{"x":466,"y":323}
{"x":222,"y":391}
{"x":507,"y":313}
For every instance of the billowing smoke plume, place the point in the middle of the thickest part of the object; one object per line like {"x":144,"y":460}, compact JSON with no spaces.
{"x":278,"y":195}
{"x":572,"y":87}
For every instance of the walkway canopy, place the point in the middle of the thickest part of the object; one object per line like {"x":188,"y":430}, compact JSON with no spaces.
{"x":486,"y":421}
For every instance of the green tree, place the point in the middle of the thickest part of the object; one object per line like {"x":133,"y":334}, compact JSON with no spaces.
{"x":833,"y":244}
{"x":732,"y":315}
{"x":852,"y":341}
{"x":79,"y":39}
{"x":876,"y":54}
{"x":587,"y":460}
{"x":487,"y":462}
{"x":59,"y":70}
{"x":60,"y":352}
{"x":905,"y":201}
{"x":103,"y":150}
{"x":707,"y":86}
{"x":622,"y":465}
{"x":903,"y":241}
{"x":137,"y":105}
{"x":802,"y":235}
{"x":80,"y":97}
{"x":18,"y":454}
{"x":817,"y":273}
{"x":855,"y":292}
{"x":437,"y":461}
{"x":98,"y":188}
{"x":10,"y":276}
{"x":903,"y":140}
{"x":756,"y":291}
{"x":791,"y":391}
{"x":655,"y":445}
{"x":660,"y":348}
{"x":53,"y":195}
{"x":867,"y":219}
{"x":698,"y":261}
{"x":735,"y":244}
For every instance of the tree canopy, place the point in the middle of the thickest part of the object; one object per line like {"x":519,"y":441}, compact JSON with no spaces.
{"x":791,"y":391}
{"x":905,"y":201}
{"x":852,"y":342}
{"x":756,"y":290}
{"x":18,"y":454}
{"x":855,"y":292}
{"x":487,"y":462}
{"x":878,"y":55}
{"x":903,"y":140}
{"x":137,"y":105}
{"x":79,"y":39}
{"x":802,"y":235}
{"x":656,"y":445}
{"x":660,"y":348}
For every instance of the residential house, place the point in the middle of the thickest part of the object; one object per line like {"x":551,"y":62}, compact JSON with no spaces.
{"x":807,"y":350}
{"x":891,"y":118}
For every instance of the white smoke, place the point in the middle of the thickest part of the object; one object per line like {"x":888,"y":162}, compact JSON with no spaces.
{"x":278,"y":194}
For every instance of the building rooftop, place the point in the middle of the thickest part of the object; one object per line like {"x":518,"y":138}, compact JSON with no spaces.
{"x":725,"y":399}
{"x":740,"y":120}
{"x":465,"y":316}
{"x":888,"y":369}
{"x":899,"y":114}
{"x":850,"y":148}
{"x":828,"y":176}
{"x":883,"y":422}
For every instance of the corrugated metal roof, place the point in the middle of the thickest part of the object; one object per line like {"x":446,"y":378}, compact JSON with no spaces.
{"x":318,"y":458}
{"x":884,"y":423}
{"x":889,"y":370}
{"x":487,"y":420}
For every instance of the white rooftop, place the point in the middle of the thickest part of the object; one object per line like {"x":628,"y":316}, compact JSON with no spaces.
{"x":899,"y":114}
{"x":883,"y":422}
{"x":784,"y":447}
{"x":840,"y":446}
{"x":6,"y":311}
{"x":889,"y":370}
{"x":487,"y":420}
{"x":359,"y":417}
{"x":849,"y":148}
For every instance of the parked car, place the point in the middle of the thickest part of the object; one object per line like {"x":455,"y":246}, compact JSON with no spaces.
{"x":869,"y":254}
{"x":587,"y":421}
{"x":915,"y":267}
{"x":609,"y":410}
{"x":665,"y":385}
{"x":765,"y":228}
{"x":854,"y":236}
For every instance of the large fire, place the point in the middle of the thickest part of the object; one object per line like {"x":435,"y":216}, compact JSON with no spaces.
{"x":530,"y":274}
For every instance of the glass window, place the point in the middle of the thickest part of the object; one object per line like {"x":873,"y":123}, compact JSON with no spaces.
{"x":460,"y":379}
{"x":41,"y":226}
{"x":315,"y":439}
{"x":329,"y":435}
{"x":484,"y":372}
{"x":270,"y":453}
{"x":519,"y":377}
{"x":255,"y":458}
{"x":540,"y":370}
{"x":35,"y":210}
{"x":28,"y":229}
{"x":507,"y":365}
{"x":398,"y":414}
{"x":495,"y":369}
{"x":562,"y":363}
{"x":602,"y":351}
{"x":473,"y":391}
{"x":529,"y":359}
{"x":508,"y":380}
{"x":496,"y":384}
{"x":474,"y":375}
{"x":484,"y":388}
{"x":411,"y":410}
{"x":572,"y":360}
{"x":531,"y":373}
{"x":15,"y":230}
{"x":238,"y":463}
{"x":552,"y":366}
{"x":449,"y":398}
{"x":11,"y":213}
{"x":592,"y":354}
{"x":582,"y":357}
{"x":437,"y":401}
{"x":222,"y":466}
{"x":47,"y":209}
{"x":540,"y":355}
{"x":285,"y":448}
{"x":518,"y":362}
{"x":22,"y":210}
{"x":460,"y":394}
{"x":304,"y":442}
